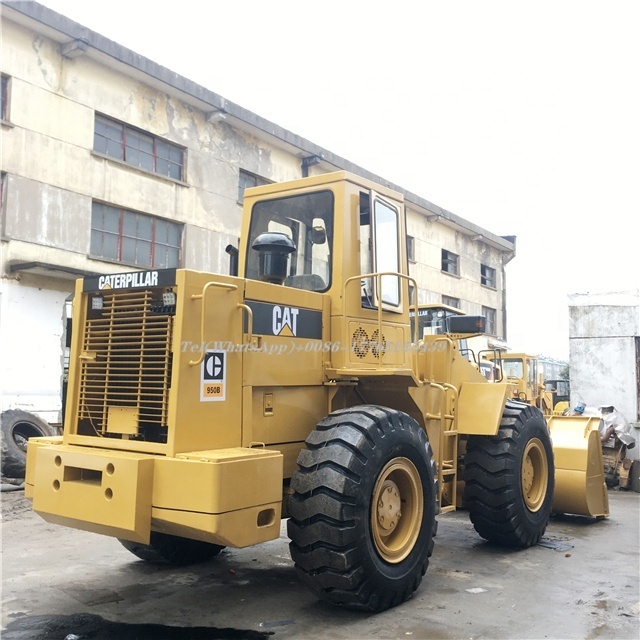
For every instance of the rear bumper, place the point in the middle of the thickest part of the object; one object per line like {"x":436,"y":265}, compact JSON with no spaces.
{"x":230,"y":497}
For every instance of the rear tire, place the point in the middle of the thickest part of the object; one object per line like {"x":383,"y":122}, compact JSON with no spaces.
{"x":509,"y":478}
{"x":363,"y":509}
{"x":16,"y":428}
{"x":167,"y":549}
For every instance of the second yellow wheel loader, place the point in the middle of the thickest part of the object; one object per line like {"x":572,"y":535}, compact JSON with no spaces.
{"x":203,"y":408}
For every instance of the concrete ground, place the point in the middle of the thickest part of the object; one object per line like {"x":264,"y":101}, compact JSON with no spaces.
{"x":582,"y":582}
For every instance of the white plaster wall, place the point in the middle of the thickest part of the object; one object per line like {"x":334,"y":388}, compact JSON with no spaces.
{"x":32,"y":348}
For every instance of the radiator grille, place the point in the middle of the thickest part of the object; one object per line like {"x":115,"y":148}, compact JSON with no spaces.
{"x":126,"y":362}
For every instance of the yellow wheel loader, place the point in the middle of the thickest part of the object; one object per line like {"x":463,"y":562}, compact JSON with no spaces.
{"x":520,"y":370}
{"x":203,"y":408}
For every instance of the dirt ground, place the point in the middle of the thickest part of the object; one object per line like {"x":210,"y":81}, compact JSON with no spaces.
{"x":582,"y":582}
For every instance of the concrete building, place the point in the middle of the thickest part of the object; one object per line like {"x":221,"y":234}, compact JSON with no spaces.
{"x":604,"y":343}
{"x":111,"y":162}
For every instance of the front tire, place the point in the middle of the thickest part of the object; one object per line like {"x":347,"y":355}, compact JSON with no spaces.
{"x":363,"y":509}
{"x":509,"y":478}
{"x":173,"y":550}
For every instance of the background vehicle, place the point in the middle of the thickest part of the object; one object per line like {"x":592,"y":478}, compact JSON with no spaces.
{"x":560,"y":394}
{"x":520,"y":370}
{"x":203,"y":408}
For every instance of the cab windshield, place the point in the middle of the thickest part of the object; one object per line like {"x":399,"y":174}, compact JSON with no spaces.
{"x":307,"y":219}
{"x":513,"y":367}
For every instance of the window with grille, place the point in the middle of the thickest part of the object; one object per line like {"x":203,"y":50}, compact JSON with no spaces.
{"x":134,"y":238}
{"x":487,"y":276}
{"x":490,"y":315}
{"x":450,"y":263}
{"x":247,"y":180}
{"x":138,"y":148}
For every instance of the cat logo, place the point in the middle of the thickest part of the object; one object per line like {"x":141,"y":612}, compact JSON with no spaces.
{"x":214,"y":372}
{"x":285,"y":321}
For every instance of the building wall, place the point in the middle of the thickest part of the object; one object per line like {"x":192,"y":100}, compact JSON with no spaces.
{"x":433,"y":283}
{"x":51,"y":176}
{"x":604,"y":343}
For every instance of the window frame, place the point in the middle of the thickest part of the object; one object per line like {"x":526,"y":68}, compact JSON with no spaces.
{"x":488,"y":276}
{"x":450,"y":258}
{"x":128,"y":150}
{"x":258,"y":181}
{"x":382,"y":241}
{"x":450,"y":301}
{"x":411,"y":248}
{"x":5,"y":98}
{"x":491,"y":317}
{"x":122,"y":236}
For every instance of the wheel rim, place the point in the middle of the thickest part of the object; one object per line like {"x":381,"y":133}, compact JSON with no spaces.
{"x":397,"y":508}
{"x":535,"y":474}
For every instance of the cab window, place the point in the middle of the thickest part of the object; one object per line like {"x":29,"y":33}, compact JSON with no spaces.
{"x":307,"y":220}
{"x":379,"y":252}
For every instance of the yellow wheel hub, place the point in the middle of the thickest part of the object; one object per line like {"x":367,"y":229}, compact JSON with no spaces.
{"x":396,"y":510}
{"x":535,"y":474}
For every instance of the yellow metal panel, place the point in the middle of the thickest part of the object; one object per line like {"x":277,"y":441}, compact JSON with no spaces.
{"x":287,"y":360}
{"x":295,"y":412}
{"x":196,"y":423}
{"x":79,"y":310}
{"x":218,"y":481}
{"x":480,"y":408}
{"x":122,"y":420}
{"x":580,"y":486}
{"x":32,"y":445}
{"x":241,"y":528}
{"x":279,"y":294}
{"x":107,"y":492}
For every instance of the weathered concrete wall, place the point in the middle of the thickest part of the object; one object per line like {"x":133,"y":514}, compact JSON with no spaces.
{"x":603,"y":339}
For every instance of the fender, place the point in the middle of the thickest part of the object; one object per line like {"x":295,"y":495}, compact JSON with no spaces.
{"x":480,"y":407}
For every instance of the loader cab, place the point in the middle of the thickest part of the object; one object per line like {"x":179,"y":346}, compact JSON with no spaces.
{"x":348,"y":242}
{"x":522,"y":371}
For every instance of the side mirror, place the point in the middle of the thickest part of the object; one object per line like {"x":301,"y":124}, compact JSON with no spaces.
{"x":318,"y":235}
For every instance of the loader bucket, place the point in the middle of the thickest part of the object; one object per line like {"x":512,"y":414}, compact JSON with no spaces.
{"x":580,"y":487}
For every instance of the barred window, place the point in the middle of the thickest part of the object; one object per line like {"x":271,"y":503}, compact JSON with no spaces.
{"x":247,"y":180}
{"x":450,"y":262}
{"x":134,"y":238}
{"x":138,"y":148}
{"x":487,"y":276}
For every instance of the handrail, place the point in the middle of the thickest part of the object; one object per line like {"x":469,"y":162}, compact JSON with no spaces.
{"x":202,"y":296}
{"x":249,"y":311}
